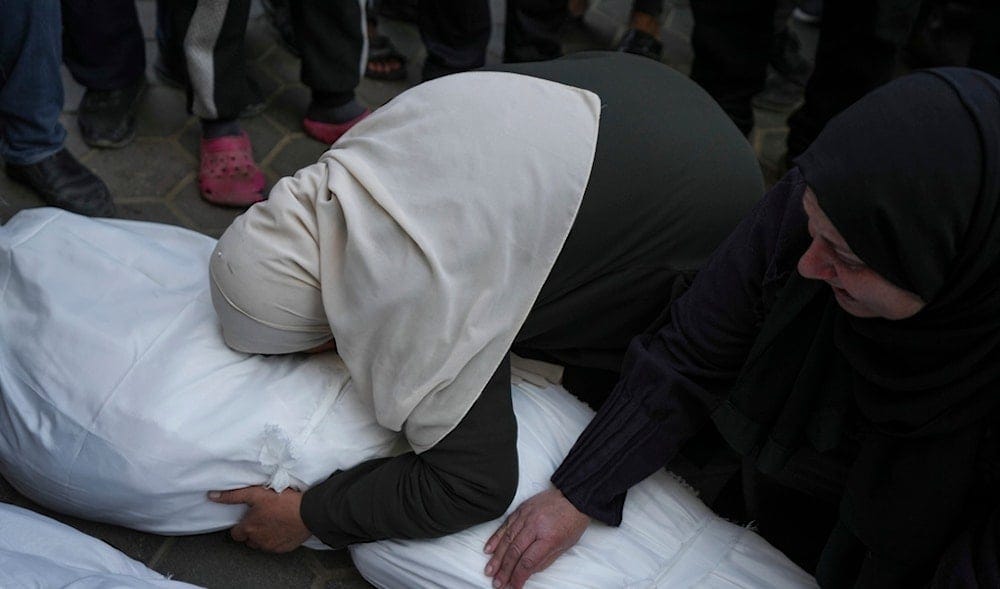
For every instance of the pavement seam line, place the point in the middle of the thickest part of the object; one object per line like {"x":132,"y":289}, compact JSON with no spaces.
{"x":161,"y":551}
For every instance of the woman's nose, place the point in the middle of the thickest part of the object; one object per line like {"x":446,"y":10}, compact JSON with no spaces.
{"x":816,"y":263}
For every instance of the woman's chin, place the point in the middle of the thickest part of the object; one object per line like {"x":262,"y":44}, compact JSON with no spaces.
{"x":850,"y":304}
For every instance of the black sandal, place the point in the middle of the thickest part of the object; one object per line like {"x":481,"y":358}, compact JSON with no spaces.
{"x":381,"y":51}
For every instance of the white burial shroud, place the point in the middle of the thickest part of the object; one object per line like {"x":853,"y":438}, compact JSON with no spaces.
{"x":37,"y":551}
{"x":120,"y":402}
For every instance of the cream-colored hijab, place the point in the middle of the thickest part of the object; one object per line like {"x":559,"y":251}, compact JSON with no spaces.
{"x":419,"y":241}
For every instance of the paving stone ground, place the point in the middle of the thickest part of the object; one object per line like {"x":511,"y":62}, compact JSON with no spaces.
{"x":154,"y":179}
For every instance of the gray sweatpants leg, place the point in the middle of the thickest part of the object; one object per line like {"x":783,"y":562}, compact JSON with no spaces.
{"x":213,"y":32}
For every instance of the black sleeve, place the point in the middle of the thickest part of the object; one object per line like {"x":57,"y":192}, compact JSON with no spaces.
{"x":672,"y":379}
{"x":469,"y":477}
{"x":973,"y":559}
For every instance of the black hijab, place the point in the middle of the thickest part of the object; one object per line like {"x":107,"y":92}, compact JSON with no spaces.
{"x":910,"y":176}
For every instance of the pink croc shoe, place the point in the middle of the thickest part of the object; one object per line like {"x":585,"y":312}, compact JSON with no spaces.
{"x":329,"y":133}
{"x":228,"y":174}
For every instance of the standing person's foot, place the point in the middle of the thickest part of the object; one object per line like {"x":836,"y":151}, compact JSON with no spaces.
{"x":64,"y":182}
{"x":639,"y":43}
{"x":107,"y":117}
{"x":327,"y":124}
{"x":643,"y":37}
{"x":385,"y":62}
{"x":228,"y":174}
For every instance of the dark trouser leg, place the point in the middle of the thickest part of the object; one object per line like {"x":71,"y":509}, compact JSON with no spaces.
{"x":858,"y":44}
{"x":532,"y":30}
{"x":331,"y":37}
{"x":732,"y":42}
{"x":467,"y":478}
{"x":650,"y":7}
{"x":213,"y":32}
{"x":31,"y":92}
{"x":455,"y":33}
{"x":985,"y":53}
{"x":102,"y":43}
{"x":671,"y":179}
{"x":169,"y":43}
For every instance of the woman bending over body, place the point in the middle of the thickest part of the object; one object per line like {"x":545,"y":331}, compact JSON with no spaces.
{"x":549,"y":208}
{"x":845,"y":342}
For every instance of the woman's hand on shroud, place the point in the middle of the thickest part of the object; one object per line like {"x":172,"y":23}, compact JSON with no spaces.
{"x":532,"y":537}
{"x":272,"y":522}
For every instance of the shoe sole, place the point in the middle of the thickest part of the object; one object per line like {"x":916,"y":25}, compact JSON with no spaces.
{"x":108,"y":144}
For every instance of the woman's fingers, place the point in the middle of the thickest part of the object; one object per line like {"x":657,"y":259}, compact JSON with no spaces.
{"x":504,"y":537}
{"x":494,"y":541}
{"x":523,"y":554}
{"x":238,"y":533}
{"x":537,"y":557}
{"x":244,"y":495}
{"x":541,"y":529}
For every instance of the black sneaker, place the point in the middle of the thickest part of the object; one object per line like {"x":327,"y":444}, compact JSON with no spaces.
{"x":64,"y":182}
{"x":107,"y":117}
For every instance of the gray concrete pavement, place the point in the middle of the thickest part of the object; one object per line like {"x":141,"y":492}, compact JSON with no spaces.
{"x":154,"y":179}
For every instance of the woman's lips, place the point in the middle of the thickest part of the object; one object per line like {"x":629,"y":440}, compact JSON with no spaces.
{"x":841,"y":292}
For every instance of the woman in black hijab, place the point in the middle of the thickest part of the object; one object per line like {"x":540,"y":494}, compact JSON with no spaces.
{"x":845,"y":342}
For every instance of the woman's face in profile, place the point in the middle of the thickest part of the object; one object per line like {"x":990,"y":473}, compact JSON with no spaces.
{"x":859,"y":290}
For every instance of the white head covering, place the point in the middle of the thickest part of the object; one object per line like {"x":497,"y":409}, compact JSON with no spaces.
{"x":419,"y":241}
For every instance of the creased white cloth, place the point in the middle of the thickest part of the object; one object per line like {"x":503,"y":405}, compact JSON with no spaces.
{"x":119,"y":401}
{"x":37,"y":551}
{"x":668,"y":538}
{"x":414,"y":227}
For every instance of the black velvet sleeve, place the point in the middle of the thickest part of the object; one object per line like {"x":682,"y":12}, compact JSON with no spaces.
{"x":672,"y":379}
